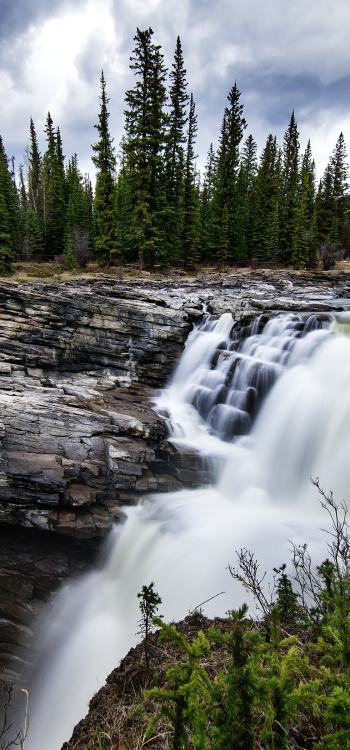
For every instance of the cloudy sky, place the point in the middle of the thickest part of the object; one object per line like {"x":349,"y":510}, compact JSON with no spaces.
{"x":283,"y":54}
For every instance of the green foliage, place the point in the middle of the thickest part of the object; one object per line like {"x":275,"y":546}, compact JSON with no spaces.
{"x":144,"y":150}
{"x":52,"y":182}
{"x":290,"y":188}
{"x":174,"y":157}
{"x":226,"y":179}
{"x":191,"y":232}
{"x":104,"y":160}
{"x":9,"y":215}
{"x":278,"y":684}
{"x":332,"y":204}
{"x":265,"y":219}
{"x":149,"y":605}
{"x":188,"y":691}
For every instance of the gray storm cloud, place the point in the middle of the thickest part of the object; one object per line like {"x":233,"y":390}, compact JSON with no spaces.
{"x":283,"y":54}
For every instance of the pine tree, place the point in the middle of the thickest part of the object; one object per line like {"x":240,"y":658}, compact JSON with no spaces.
{"x":325,"y":206}
{"x":304,"y":238}
{"x":104,"y":160}
{"x":77,"y":238}
{"x":34,"y":173}
{"x":89,"y":196}
{"x":290,"y":192}
{"x":144,"y":150}
{"x":265,"y":221}
{"x":332,"y":199}
{"x":232,"y":129}
{"x":244,"y":204}
{"x":7,"y":214}
{"x":53,"y":182}
{"x":124,"y":208}
{"x":175,"y":154}
{"x":206,"y":209}
{"x":191,"y":198}
{"x":340,"y":189}
{"x":23,"y":203}
{"x":34,"y":220}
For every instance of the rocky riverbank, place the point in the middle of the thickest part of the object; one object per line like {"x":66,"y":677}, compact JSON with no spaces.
{"x":79,"y":362}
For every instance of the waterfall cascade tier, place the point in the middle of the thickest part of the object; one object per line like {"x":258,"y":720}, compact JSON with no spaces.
{"x":271,"y":406}
{"x":227,"y":370}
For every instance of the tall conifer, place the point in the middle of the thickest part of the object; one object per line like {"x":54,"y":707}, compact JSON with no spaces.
{"x":144,"y":150}
{"x":207,"y":193}
{"x":104,"y":160}
{"x":175,"y":153}
{"x":8,"y":214}
{"x":244,"y":203}
{"x":265,"y":221}
{"x":232,"y":129}
{"x":191,"y":198}
{"x":290,"y":191}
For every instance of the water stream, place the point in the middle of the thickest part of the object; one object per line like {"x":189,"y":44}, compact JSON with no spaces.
{"x":270,"y":408}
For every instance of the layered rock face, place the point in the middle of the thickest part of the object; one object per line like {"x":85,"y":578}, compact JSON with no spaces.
{"x":79,"y":439}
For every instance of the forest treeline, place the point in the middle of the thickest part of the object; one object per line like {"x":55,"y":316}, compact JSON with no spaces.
{"x":150,"y":205}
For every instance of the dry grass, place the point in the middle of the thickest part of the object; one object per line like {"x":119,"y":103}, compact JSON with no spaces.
{"x":119,"y":714}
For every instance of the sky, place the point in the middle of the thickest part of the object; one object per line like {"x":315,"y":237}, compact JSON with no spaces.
{"x":284,"y":54}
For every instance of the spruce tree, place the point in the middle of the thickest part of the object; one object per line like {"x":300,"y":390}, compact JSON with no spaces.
{"x":8,"y":231}
{"x":53,"y":184}
{"x":34,"y":173}
{"x":77,"y":238}
{"x":340,"y":188}
{"x":124,"y":208}
{"x":332,"y":198}
{"x":144,"y":150}
{"x":290,"y":192}
{"x":175,"y":153}
{"x":265,"y":220}
{"x":304,"y":238}
{"x":104,"y":160}
{"x":225,"y":196}
{"x":206,"y":208}
{"x":191,"y":197}
{"x":244,"y":204}
{"x":325,"y":205}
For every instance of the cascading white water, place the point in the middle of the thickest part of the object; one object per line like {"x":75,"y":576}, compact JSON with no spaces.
{"x":273,"y":409}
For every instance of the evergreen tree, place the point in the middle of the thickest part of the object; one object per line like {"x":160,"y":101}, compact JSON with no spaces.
{"x":77,"y":238}
{"x":53,"y":182}
{"x":104,"y":160}
{"x":304,"y":238}
{"x":124,"y":208}
{"x":332,"y":198}
{"x":232,"y":129}
{"x":191,"y":198}
{"x":34,"y":173}
{"x":265,"y":221}
{"x":290,"y":192}
{"x":89,"y":196}
{"x":174,"y":153}
{"x":144,"y":150}
{"x":244,"y":205}
{"x":8,"y":214}
{"x":207,"y":193}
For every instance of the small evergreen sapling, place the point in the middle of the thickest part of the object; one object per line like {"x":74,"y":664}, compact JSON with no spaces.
{"x":149,"y":604}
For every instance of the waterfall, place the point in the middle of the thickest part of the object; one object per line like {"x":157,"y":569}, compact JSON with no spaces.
{"x":270,"y":406}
